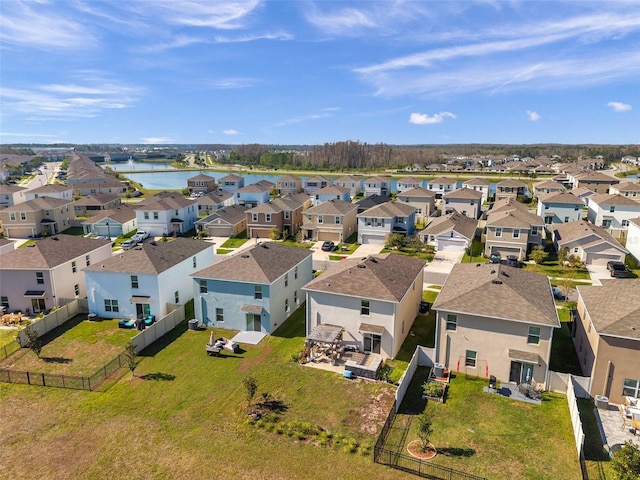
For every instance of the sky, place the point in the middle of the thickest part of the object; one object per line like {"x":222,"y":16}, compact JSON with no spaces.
{"x":305,"y":72}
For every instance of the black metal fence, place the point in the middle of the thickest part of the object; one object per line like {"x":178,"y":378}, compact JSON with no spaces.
{"x":395,"y":459}
{"x":64,"y":381}
{"x":9,"y":349}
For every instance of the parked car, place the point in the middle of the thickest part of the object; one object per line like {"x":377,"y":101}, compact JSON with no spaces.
{"x":557,"y":293}
{"x":127,"y":244}
{"x":138,"y":238}
{"x":617,"y":269}
{"x":513,"y":261}
{"x":495,"y":258}
{"x":141,"y":233}
{"x":328,"y":246}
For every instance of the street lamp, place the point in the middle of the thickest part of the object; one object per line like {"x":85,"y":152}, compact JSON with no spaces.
{"x":108,"y":231}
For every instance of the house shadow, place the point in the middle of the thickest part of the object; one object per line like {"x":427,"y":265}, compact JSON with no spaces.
{"x":167,"y":377}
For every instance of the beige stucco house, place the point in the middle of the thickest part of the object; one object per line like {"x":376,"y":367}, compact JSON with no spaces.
{"x":492,"y":319}
{"x":335,"y":220}
{"x":43,"y":215}
{"x":422,"y":199}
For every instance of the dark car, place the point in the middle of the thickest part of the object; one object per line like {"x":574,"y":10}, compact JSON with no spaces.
{"x":557,"y":293}
{"x":328,"y":246}
{"x":513,"y":261}
{"x":495,"y":258}
{"x":617,"y":269}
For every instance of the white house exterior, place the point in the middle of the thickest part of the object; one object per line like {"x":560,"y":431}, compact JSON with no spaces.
{"x":49,"y":273}
{"x":377,"y":186}
{"x":311,"y":185}
{"x":374,"y":299}
{"x":442,"y":185}
{"x":626,"y":189}
{"x":255,"y":290}
{"x":593,"y":245}
{"x":11,"y":195}
{"x":377,"y":222}
{"x":112,"y":223}
{"x":252,"y":195}
{"x":51,"y":191}
{"x":354,"y":184}
{"x":331,"y":192}
{"x":479,"y":184}
{"x":548,"y":186}
{"x":166,"y":214}
{"x":147,"y":279}
{"x":450,"y":233}
{"x":466,"y":201}
{"x":408,"y":183}
{"x":633,"y":238}
{"x":559,"y":207}
{"x":612,"y":212}
{"x":6,"y":246}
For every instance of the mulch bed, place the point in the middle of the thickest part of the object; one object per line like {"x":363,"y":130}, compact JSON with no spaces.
{"x":414,"y":448}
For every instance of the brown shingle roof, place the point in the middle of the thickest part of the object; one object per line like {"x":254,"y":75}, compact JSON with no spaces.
{"x":384,"y":277}
{"x":513,"y":218}
{"x":561,"y":197}
{"x":464,"y":193}
{"x":442,"y":180}
{"x":40,"y":203}
{"x":455,"y":221}
{"x":332,"y":207}
{"x":233,"y":214}
{"x":151,"y":257}
{"x":628,"y":187}
{"x":165,"y":202}
{"x":613,"y":200}
{"x":571,"y":231}
{"x":50,"y":252}
{"x":388,"y":210}
{"x":498,"y":291}
{"x":614,"y":307}
{"x":420,"y":192}
{"x":263,"y":263}
{"x":202,"y":177}
{"x":478,"y":181}
{"x":332,"y":190}
{"x":120,"y":214}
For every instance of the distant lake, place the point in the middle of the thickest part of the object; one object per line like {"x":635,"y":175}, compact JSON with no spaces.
{"x":133,"y":166}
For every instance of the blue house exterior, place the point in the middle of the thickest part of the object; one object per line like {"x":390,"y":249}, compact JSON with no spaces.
{"x":255,"y":290}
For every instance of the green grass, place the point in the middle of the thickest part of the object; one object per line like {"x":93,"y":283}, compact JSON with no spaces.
{"x":424,"y":333}
{"x":564,"y":358}
{"x":429,"y":296}
{"x":223,"y":251}
{"x":77,"y":231}
{"x":234,"y":242}
{"x":7,"y":335}
{"x":293,"y":243}
{"x":553,"y":269}
{"x":477,"y":250}
{"x":496,"y":437}
{"x":598,"y":464}
{"x":28,"y":242}
{"x":183,"y":416}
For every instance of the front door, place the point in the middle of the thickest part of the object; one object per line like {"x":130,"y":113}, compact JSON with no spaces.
{"x":527,"y":373}
{"x":372,"y":343}
{"x":253,"y":322}
{"x":37,"y":305}
{"x":515,"y":371}
{"x":142,"y":310}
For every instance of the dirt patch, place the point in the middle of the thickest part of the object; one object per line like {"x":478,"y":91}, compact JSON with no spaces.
{"x":248,"y":363}
{"x":373,"y":415}
{"x":415,"y":449}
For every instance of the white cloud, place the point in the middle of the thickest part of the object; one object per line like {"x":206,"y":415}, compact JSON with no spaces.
{"x":346,"y":21}
{"x":225,"y":15}
{"x":533,"y":116}
{"x":230,"y":131}
{"x":425,"y":119}
{"x":619,"y":106}
{"x":156,"y":140}
{"x":303,"y":118}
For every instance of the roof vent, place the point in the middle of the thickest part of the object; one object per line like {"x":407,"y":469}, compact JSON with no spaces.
{"x":244,"y":256}
{"x":632,"y":327}
{"x":373,"y":260}
{"x":492,"y":272}
{"x":505,"y":274}
{"x":264,"y":245}
{"x":478,"y":264}
{"x":153,"y":243}
{"x":361,"y":266}
{"x":496,"y":282}
{"x":54,"y":238}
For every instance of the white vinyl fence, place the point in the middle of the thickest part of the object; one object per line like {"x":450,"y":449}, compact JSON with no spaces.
{"x":156,"y":330}
{"x":421,"y":357}
{"x":578,"y":433}
{"x":54,"y":319}
{"x":559,"y":382}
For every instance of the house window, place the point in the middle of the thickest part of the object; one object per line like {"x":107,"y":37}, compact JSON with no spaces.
{"x":176,"y":297}
{"x":612,"y":209}
{"x":287,"y":215}
{"x":576,"y":208}
{"x":257,"y":292}
{"x":267,"y":217}
{"x":566,"y":219}
{"x":155,"y":215}
{"x":548,"y":220}
{"x":470,"y":358}
{"x":625,"y":223}
{"x":23,"y":216}
{"x":452,"y":322}
{"x":516,"y":233}
{"x":499,"y":232}
{"x":546,"y":207}
{"x":286,"y":305}
{"x":76,"y":289}
{"x":40,"y":278}
{"x":146,"y":215}
{"x":134,"y":281}
{"x":631,"y":388}
{"x":286,"y":279}
{"x":534,"y":335}
{"x":295,"y":297}
{"x":338,"y":220}
{"x":295,"y":272}
{"x":203,"y":286}
{"x":4,"y":302}
{"x":364,"y":307}
{"x":111,"y":305}
{"x":12,"y":216}
{"x":74,"y":268}
{"x":254,"y":217}
{"x":534,"y":230}
{"x":219,"y":315}
{"x":87,"y":260}
{"x":446,"y":201}
{"x":195,"y":262}
{"x":319,"y":218}
{"x":576,"y":249}
{"x":606,"y":223}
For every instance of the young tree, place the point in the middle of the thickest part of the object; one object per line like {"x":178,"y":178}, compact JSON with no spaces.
{"x":626,"y":462}
{"x":538,"y":254}
{"x":131,"y":355}
{"x":274,"y":233}
{"x":33,"y":340}
{"x":395,"y":240}
{"x":424,"y":430}
{"x":251,"y":386}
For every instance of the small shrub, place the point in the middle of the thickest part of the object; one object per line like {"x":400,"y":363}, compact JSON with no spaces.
{"x":365,"y":449}
{"x":350,"y":445}
{"x":433,"y":389}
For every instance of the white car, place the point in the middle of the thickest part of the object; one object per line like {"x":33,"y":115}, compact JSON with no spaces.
{"x":126,"y":245}
{"x":141,"y":233}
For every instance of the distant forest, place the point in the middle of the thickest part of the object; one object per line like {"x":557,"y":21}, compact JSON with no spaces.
{"x":352,"y":155}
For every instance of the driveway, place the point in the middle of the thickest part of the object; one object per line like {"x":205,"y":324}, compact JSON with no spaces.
{"x":597,"y":273}
{"x":366,"y":250}
{"x":437,"y":271}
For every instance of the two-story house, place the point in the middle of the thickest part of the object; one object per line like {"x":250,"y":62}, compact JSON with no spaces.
{"x":597,"y":182}
{"x":408,"y":183}
{"x":94,"y":204}
{"x":442,"y":185}
{"x":493,"y":319}
{"x":367,"y":202}
{"x":626,"y":189}
{"x":331,"y":192}
{"x":546,"y":187}
{"x":589,"y":243}
{"x":166,"y":214}
{"x":51,"y":190}
{"x":607,"y":339}
{"x":376,"y":223}
{"x":512,"y":230}
{"x":201,"y":183}
{"x":612,"y":212}
{"x":480,"y":184}
{"x":230,"y":183}
{"x":633,"y":238}
{"x":289,"y":184}
{"x":353,"y":183}
{"x":254,"y":290}
{"x":312,"y":184}
{"x":466,"y":201}
{"x":423,"y":200}
{"x":334,"y":221}
{"x":510,"y":189}
{"x":48,"y":273}
{"x":40,"y":216}
{"x":453,"y":232}
{"x":111,"y":223}
{"x":377,"y":186}
{"x":11,"y":195}
{"x":226,"y":222}
{"x":212,"y":201}
{"x":374,"y":299}
{"x":252,"y":195}
{"x":147,"y":279}
{"x":559,"y":207}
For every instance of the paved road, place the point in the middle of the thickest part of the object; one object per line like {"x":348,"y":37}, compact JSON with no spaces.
{"x":437,"y":271}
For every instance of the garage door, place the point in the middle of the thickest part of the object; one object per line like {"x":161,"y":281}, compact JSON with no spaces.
{"x":452,"y":246}
{"x":329,"y":236}
{"x":505,"y":251}
{"x":220,"y":230}
{"x":600,"y":259}
{"x":371,"y":240}
{"x":260,"y":232}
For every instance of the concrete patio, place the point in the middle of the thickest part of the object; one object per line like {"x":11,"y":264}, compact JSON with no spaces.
{"x":612,"y":429}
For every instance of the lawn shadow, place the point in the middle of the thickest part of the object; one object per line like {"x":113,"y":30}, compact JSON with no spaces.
{"x":59,"y":330}
{"x":165,"y":340}
{"x":159,"y":376}
{"x":293,"y":327}
{"x":273,"y":405}
{"x":456,"y":452}
{"x":414,"y":403}
{"x":57,"y":359}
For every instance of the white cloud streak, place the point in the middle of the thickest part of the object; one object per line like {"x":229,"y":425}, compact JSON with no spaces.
{"x":227,"y":15}
{"x":230,"y":131}
{"x":533,"y":116}
{"x":619,"y":106}
{"x":425,"y":119}
{"x":156,"y":140}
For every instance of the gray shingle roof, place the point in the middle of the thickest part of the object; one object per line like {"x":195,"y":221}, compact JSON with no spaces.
{"x":50,"y":252}
{"x":165,"y":202}
{"x":151,"y":257}
{"x":263,"y":263}
{"x":455,"y":221}
{"x":388,"y":210}
{"x":233,"y":214}
{"x":332,"y":207}
{"x":478,"y":181}
{"x":571,"y":231}
{"x":498,"y":291}
{"x":384,"y":277}
{"x":418,"y":192}
{"x":464,"y":193}
{"x":121,"y":214}
{"x":513,"y":218}
{"x":561,"y":197}
{"x":624,"y":319}
{"x":442,"y":180}
{"x":40,"y":203}
{"x":613,"y":200}
{"x":332,"y":190}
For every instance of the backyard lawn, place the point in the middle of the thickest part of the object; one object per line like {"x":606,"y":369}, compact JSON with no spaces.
{"x":7,"y":335}
{"x":493,"y":436}
{"x":423,"y":332}
{"x":183,"y":415}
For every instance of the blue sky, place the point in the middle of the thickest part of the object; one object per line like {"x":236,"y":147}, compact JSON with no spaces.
{"x":302,"y":72}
